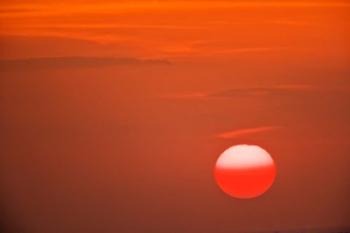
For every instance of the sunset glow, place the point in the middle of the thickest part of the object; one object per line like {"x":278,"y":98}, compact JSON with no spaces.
{"x":178,"y":116}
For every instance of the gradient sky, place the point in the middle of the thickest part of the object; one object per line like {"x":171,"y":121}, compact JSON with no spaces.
{"x":114,"y":113}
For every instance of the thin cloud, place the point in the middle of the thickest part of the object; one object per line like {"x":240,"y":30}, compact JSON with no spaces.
{"x":124,"y":6}
{"x":115,"y":26}
{"x":248,"y":91}
{"x":201,"y":52}
{"x":16,"y":10}
{"x":73,"y":62}
{"x":247,"y":50}
{"x":267,"y":22}
{"x":192,"y":95}
{"x":268,"y":91}
{"x":34,"y":46}
{"x":245,"y":132}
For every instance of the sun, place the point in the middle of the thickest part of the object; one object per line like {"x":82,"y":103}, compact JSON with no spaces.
{"x":245,"y":171}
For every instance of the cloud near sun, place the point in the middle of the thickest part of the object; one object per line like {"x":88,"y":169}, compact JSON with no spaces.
{"x":248,"y":131}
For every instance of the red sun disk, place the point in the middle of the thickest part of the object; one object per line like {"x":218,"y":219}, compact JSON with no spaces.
{"x":245,"y":182}
{"x":245,"y":171}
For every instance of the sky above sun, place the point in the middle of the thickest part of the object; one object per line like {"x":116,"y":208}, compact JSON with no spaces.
{"x":180,"y":29}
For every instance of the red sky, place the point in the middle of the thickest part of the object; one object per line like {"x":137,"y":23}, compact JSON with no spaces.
{"x":113,"y":113}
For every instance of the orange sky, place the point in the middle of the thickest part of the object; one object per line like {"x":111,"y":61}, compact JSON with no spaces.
{"x":113,"y":114}
{"x":183,"y":29}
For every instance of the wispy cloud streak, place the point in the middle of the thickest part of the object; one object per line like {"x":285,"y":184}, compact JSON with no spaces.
{"x":66,"y":62}
{"x":251,"y":91}
{"x":247,"y":131}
